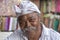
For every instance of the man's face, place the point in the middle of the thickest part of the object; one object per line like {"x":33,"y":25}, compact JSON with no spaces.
{"x":29,"y":22}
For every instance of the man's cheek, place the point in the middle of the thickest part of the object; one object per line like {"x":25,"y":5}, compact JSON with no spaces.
{"x":22,"y":27}
{"x":35,"y":24}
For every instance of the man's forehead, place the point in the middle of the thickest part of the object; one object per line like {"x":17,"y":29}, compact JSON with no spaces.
{"x":30,"y":14}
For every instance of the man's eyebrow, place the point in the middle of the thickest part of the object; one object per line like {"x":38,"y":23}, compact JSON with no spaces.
{"x":32,"y":17}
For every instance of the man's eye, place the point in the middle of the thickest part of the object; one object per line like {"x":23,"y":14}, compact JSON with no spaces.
{"x":31,"y":20}
{"x":22,"y":22}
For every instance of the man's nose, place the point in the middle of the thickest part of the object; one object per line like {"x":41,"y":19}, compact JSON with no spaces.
{"x":28,"y":24}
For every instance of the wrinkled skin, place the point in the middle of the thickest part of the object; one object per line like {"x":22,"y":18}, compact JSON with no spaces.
{"x":30,"y":25}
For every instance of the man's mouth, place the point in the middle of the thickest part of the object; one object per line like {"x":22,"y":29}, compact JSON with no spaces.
{"x":29,"y":29}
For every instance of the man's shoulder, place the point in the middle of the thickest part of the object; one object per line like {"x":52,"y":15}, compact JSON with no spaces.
{"x":55,"y":33}
{"x":52,"y":32}
{"x":15,"y":35}
{"x":49,"y":31}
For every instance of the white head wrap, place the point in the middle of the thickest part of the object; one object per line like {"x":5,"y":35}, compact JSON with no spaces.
{"x":25,"y":7}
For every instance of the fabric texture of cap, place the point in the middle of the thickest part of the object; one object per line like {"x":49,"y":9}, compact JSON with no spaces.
{"x":25,"y":7}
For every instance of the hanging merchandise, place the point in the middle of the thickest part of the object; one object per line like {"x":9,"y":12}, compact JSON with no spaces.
{"x":53,"y":5}
{"x":55,"y":24}
{"x":44,"y":6}
{"x":0,"y":23}
{"x":59,"y":26}
{"x":58,"y":6}
{"x":8,"y":23}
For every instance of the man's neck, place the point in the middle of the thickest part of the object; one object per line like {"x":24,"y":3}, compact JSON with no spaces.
{"x":34,"y":39}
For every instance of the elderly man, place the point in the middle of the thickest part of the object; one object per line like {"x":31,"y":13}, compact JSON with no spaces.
{"x":32,"y":28}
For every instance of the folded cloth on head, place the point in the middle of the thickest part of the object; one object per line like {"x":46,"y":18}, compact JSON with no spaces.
{"x":26,"y":7}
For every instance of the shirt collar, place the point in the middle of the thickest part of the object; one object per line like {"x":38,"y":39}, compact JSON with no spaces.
{"x":45,"y":30}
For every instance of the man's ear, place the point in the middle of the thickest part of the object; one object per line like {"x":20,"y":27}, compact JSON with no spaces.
{"x":40,"y":17}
